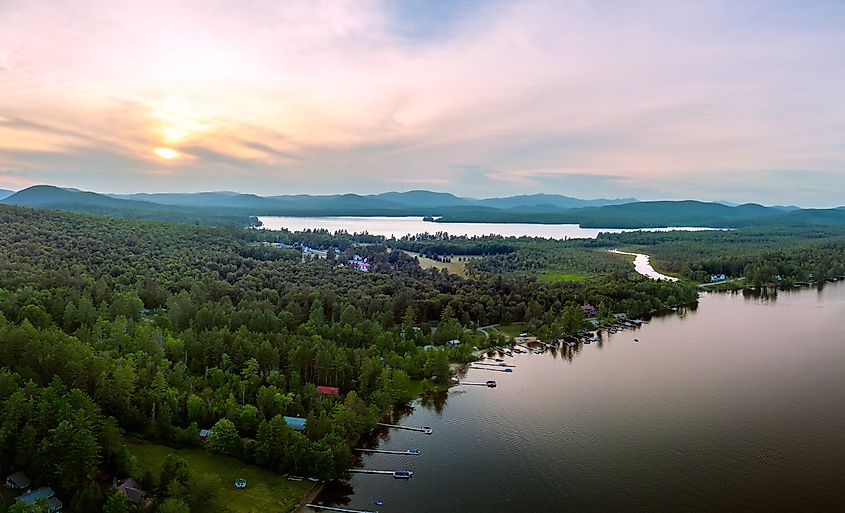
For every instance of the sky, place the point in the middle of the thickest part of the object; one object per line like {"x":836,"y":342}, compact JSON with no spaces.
{"x":712,"y":100}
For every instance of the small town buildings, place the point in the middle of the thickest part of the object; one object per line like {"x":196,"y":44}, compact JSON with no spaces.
{"x":54,"y":505}
{"x":328,"y":390}
{"x":588,"y":310}
{"x":17,"y":481}
{"x":295,"y":423}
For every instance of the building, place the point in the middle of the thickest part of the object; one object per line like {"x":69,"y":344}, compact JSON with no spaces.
{"x":132,"y":490}
{"x":328,"y":390}
{"x":588,"y":310}
{"x":45,"y":493}
{"x":717,"y":277}
{"x":17,"y":481}
{"x":205,"y":434}
{"x":453,"y":343}
{"x":296,"y":423}
{"x":359,"y":263}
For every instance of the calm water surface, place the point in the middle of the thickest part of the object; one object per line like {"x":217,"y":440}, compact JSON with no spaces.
{"x":401,"y":226}
{"x":736,"y":406}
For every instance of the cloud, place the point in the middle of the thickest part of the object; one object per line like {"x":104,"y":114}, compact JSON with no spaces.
{"x":308,"y":94}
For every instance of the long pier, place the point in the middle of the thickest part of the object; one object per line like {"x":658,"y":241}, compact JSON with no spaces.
{"x":479,"y":384}
{"x":407,"y":452}
{"x":495,"y":364}
{"x":490,"y":369}
{"x":425,"y":429}
{"x":332,"y":508}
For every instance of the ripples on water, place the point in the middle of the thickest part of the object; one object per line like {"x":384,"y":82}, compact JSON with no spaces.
{"x":736,"y":406}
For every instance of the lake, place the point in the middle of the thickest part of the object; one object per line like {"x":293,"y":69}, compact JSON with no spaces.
{"x":401,"y":226}
{"x":737,"y":405}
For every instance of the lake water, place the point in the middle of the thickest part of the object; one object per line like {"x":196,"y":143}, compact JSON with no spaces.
{"x":401,"y":226}
{"x":738,"y":405}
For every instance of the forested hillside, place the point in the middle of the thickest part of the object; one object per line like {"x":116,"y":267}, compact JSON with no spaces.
{"x":111,"y":326}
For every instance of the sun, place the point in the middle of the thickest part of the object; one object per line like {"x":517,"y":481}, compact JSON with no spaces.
{"x":166,"y":153}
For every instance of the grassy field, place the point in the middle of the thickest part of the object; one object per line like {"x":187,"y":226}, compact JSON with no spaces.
{"x":267,"y":492}
{"x":454,"y":266}
{"x":512,"y":330}
{"x":555,"y":276}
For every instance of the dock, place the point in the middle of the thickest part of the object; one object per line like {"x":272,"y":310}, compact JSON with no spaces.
{"x":424,"y":429}
{"x":493,"y":369}
{"x":407,"y":452}
{"x":332,"y":508}
{"x":489,"y":383}
{"x":495,"y":364}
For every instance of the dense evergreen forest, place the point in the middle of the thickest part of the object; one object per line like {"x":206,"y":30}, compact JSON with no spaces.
{"x":781,"y":256}
{"x":114,"y":327}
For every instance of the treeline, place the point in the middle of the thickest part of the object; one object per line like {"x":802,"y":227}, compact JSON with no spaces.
{"x":781,"y":255}
{"x":168,"y":329}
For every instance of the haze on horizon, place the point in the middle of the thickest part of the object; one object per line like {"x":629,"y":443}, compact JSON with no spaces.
{"x":712,"y":100}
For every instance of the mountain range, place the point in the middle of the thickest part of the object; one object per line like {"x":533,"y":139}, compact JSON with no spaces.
{"x":241,"y":209}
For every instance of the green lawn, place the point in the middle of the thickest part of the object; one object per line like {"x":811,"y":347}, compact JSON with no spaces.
{"x":512,"y":330}
{"x":267,"y":492}
{"x":554,"y":276}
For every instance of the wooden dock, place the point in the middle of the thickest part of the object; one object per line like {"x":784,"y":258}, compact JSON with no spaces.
{"x":407,"y":452}
{"x":425,"y":429}
{"x":478,"y":384}
{"x":332,"y":508}
{"x":493,"y":369}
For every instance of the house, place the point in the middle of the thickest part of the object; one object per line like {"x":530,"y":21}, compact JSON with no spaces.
{"x":453,"y":343}
{"x":295,"y":423}
{"x":17,"y":481}
{"x":132,"y":490}
{"x":359,"y":263}
{"x":46,"y":493}
{"x":717,"y":277}
{"x":588,"y":310}
{"x":328,"y":390}
{"x":281,"y":245}
{"x":205,"y":434}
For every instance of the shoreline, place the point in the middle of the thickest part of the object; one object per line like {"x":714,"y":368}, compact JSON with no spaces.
{"x":309,"y":498}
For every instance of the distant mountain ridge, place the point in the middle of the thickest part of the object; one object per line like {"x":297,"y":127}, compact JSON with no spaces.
{"x":5,"y":193}
{"x":242,"y":209}
{"x":416,"y":199}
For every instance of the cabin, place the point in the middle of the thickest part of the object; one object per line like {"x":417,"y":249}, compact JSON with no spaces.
{"x":132,"y":490}
{"x":453,"y":343}
{"x":588,"y":310}
{"x":205,"y":434}
{"x":53,"y":504}
{"x":328,"y":390}
{"x":717,"y":277}
{"x":295,"y":423}
{"x":17,"y":481}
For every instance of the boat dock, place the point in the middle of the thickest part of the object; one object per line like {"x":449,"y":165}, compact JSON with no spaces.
{"x":490,"y":369}
{"x":332,"y":508}
{"x":495,"y":364}
{"x":489,"y":383}
{"x":425,"y":429}
{"x":407,"y":452}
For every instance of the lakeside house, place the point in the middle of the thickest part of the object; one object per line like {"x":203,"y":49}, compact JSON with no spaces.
{"x":53,"y":504}
{"x":588,"y":310}
{"x":359,"y":263}
{"x":295,"y":423}
{"x":132,"y":490}
{"x":717,"y":278}
{"x":328,"y":390}
{"x":17,"y":481}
